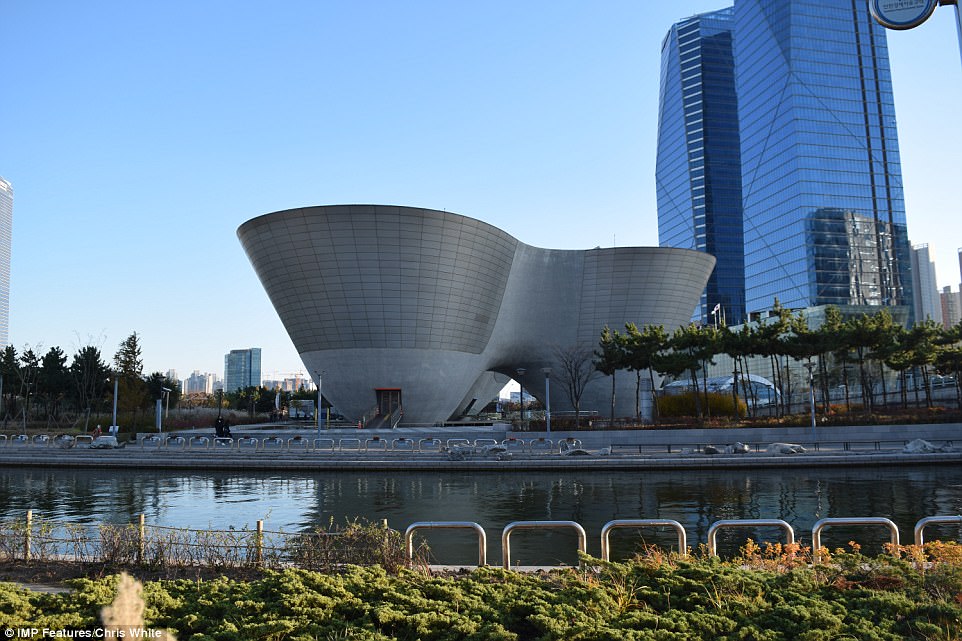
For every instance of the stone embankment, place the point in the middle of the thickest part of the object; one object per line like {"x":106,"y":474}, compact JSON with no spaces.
{"x":498,"y":449}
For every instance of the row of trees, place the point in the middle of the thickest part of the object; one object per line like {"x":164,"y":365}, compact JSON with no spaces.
{"x":866,"y":353}
{"x":47,"y":387}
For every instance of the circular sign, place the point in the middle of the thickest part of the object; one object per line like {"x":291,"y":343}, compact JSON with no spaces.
{"x":902,"y":14}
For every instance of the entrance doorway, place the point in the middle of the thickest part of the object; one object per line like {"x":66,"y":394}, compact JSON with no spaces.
{"x":388,"y":400}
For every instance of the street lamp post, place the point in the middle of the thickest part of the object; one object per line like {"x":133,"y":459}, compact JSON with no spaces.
{"x":113,"y":427}
{"x":521,"y":372}
{"x":320,"y":404}
{"x":164,"y":393}
{"x":547,"y":397}
{"x":810,"y":366}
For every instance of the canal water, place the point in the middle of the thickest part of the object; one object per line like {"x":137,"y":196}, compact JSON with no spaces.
{"x":696,"y":498}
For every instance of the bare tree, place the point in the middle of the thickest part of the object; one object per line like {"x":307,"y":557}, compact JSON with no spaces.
{"x":575,"y":371}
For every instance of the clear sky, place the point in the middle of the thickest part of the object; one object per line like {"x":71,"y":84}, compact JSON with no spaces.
{"x":139,"y":135}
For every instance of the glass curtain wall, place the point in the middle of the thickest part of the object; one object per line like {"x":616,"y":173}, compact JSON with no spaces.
{"x":824,"y":215}
{"x":698,"y":171}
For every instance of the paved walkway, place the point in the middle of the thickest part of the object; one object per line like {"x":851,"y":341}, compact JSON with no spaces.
{"x":287,"y":447}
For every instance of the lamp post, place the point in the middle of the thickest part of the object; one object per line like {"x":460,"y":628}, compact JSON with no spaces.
{"x":320,"y":405}
{"x":810,"y":366}
{"x":164,"y":394}
{"x":547,"y":397}
{"x":521,"y":372}
{"x":113,"y":426}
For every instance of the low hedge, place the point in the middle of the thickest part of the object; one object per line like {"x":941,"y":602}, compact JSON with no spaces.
{"x":719,"y":405}
{"x":759,"y":596}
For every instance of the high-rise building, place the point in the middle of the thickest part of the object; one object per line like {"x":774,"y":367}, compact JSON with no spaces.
{"x":242,"y":368}
{"x":928,"y":305}
{"x":823,"y":217}
{"x":951,"y":307}
{"x":6,"y":243}
{"x":698,"y":170}
{"x":198,"y":383}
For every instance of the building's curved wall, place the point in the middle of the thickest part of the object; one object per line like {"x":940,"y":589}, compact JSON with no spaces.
{"x":366,"y":276}
{"x":427,"y":301}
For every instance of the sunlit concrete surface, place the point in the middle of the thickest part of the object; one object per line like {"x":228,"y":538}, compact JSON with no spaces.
{"x":446,"y":308}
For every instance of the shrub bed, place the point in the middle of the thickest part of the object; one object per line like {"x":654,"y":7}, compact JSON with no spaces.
{"x":771,"y":594}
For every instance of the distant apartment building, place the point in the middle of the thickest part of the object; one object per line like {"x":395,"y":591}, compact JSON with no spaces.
{"x":290,"y":384}
{"x":242,"y":368}
{"x":951,"y":307}
{"x":6,"y":243}
{"x":198,"y":383}
{"x":928,"y":305}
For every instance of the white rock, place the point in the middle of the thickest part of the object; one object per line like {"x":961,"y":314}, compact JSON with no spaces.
{"x":576,"y":451}
{"x":740,"y":448}
{"x":784,"y":448}
{"x":919,"y":446}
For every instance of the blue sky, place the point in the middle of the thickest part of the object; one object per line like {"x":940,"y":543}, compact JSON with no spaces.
{"x":139,"y":135}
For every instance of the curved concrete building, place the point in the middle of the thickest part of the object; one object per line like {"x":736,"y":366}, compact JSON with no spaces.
{"x":435,"y":311}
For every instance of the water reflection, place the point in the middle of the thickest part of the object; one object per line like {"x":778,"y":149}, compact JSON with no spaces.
{"x":298,"y":501}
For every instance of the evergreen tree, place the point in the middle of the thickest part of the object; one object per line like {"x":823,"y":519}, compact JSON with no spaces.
{"x":10,"y":372}
{"x":91,"y":379}
{"x":129,"y":368}
{"x":53,"y":381}
{"x":127,"y":360}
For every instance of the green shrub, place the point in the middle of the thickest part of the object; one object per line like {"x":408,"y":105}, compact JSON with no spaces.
{"x":684,"y":405}
{"x":764,"y":594}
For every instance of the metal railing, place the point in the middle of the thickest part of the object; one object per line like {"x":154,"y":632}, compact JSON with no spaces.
{"x":641,"y":523}
{"x":43,"y":539}
{"x":435,"y":525}
{"x":933,"y":520}
{"x":733,"y":523}
{"x":865,"y":520}
{"x":538,"y":525}
{"x":395,"y":417}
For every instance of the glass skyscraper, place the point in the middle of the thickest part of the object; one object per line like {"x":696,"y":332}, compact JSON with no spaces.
{"x":242,"y":369}
{"x":6,"y":242}
{"x":823,"y":217}
{"x":698,"y":170}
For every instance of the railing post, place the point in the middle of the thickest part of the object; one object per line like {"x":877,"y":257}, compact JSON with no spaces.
{"x":866,"y":520}
{"x":427,"y":525}
{"x":259,"y":544}
{"x":920,"y":526}
{"x":638,"y":523}
{"x":713,"y":530}
{"x":26,"y":536}
{"x":141,"y":538}
{"x":534,"y":525}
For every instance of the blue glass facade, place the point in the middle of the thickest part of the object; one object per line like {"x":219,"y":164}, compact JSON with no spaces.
{"x":823,"y":207}
{"x":242,"y":369}
{"x":698,"y":171}
{"x":821,"y":192}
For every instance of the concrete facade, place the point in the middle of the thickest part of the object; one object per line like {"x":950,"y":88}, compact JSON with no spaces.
{"x":446,"y":308}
